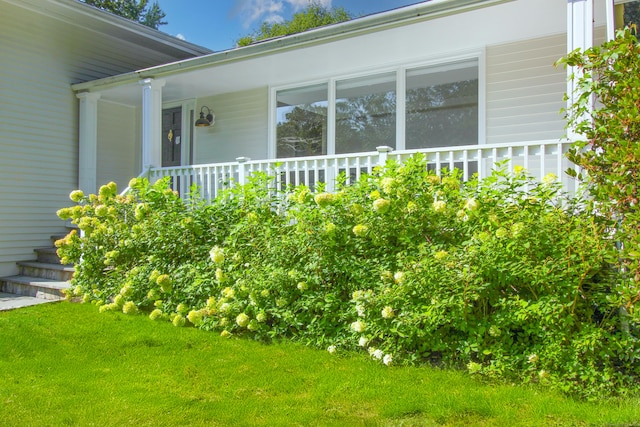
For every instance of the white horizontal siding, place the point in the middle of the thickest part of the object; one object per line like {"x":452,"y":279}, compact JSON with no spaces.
{"x":41,"y":58}
{"x":525,"y":90}
{"x":38,"y":166}
{"x":240,"y":128}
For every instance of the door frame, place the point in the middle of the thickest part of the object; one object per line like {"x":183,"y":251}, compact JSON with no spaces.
{"x":186,"y":140}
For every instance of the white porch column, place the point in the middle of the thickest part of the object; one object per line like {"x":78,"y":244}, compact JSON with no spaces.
{"x":579,"y":36}
{"x":88,"y":142}
{"x":151,"y":123}
{"x":579,"y":24}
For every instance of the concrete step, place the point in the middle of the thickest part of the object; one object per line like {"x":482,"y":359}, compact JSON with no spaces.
{"x":44,"y":270}
{"x":34,"y":287}
{"x":12,"y":301}
{"x":47,"y":255}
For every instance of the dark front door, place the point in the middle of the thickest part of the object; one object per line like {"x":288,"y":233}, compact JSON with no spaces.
{"x":171,"y":136}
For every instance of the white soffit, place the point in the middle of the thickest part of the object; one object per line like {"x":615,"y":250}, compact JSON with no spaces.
{"x":371,"y":43}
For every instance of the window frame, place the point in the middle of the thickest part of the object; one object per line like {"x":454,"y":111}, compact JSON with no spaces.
{"x":611,"y":12}
{"x":401,"y":73}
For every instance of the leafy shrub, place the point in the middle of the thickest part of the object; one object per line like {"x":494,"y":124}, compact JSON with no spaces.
{"x":606,"y":115}
{"x":507,"y":277}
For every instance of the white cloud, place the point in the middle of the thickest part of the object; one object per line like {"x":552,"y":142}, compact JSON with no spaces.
{"x":254,"y":12}
{"x":301,"y":4}
{"x":273,"y":19}
{"x":180,"y":36}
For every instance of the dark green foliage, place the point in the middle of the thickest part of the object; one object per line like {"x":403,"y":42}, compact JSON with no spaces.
{"x":135,"y":10}
{"x":609,"y":150}
{"x":313,"y":16}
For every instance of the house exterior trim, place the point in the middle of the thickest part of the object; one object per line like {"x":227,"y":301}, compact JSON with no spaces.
{"x":151,"y":122}
{"x":82,"y":15}
{"x":372,"y":23}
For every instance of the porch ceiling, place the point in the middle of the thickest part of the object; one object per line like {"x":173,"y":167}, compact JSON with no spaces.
{"x":294,"y":59}
{"x":201,"y":83}
{"x":377,"y":43}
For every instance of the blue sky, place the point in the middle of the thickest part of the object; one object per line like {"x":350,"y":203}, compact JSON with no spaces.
{"x":217,"y":24}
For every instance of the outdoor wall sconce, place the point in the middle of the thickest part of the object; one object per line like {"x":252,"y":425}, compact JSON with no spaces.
{"x":203,"y":121}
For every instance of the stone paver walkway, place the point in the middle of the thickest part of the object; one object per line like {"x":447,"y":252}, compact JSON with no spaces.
{"x":12,"y":301}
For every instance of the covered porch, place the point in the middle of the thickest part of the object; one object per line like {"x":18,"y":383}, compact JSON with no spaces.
{"x":502,"y":104}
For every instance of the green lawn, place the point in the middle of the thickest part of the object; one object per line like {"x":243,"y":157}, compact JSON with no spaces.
{"x":66,"y":364}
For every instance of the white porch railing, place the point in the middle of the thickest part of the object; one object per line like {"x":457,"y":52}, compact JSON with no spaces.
{"x":537,"y":157}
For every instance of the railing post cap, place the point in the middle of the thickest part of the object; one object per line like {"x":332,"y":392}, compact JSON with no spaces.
{"x":384,"y":149}
{"x":242,"y":159}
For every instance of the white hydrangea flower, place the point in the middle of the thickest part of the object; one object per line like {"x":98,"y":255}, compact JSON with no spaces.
{"x":217,"y":255}
{"x":358,"y":326}
{"x":387,"y":184}
{"x":439,"y":205}
{"x":363,"y":341}
{"x":388,"y":359}
{"x":242,"y":320}
{"x":471,"y":204}
{"x":549,"y":178}
{"x":398,"y":277}
{"x":381,"y":205}
{"x":388,"y":313}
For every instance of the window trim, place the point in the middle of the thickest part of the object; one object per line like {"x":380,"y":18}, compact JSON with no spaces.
{"x":400,"y":72}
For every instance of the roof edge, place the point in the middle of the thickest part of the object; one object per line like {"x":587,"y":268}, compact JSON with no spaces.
{"x":370,"y":23}
{"x":117,"y":21}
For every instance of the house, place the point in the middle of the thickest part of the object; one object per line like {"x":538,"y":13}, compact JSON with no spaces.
{"x":469,"y":82}
{"x":46,"y":46}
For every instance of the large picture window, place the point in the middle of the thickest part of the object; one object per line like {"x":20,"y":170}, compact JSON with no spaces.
{"x":301,"y":121}
{"x":442,"y":105}
{"x":439,"y":108}
{"x":365,"y":113}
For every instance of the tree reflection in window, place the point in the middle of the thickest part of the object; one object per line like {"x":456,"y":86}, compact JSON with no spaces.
{"x":442,"y":106}
{"x":441,"y":109}
{"x":302,"y":122}
{"x":365,"y":113}
{"x":627,"y":13}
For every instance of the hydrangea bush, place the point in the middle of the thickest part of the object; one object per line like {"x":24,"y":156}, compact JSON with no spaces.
{"x":507,"y":278}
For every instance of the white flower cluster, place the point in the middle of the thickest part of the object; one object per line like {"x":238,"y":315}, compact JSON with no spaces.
{"x":388,"y":313}
{"x":378,"y":354}
{"x":217,"y":255}
{"x":358,"y":326}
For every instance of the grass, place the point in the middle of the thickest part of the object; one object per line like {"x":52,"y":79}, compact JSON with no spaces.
{"x":65,"y":365}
